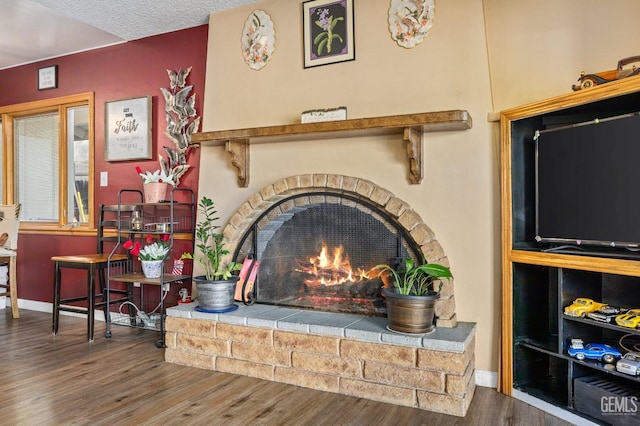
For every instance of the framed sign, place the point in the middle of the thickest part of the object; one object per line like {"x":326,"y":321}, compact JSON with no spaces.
{"x":48,"y":77}
{"x":128,"y":129}
{"x":327,"y":27}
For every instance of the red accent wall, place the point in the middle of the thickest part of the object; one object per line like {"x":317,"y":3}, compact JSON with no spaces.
{"x":128,"y":70}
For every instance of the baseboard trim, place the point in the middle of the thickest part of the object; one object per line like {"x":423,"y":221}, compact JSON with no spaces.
{"x":34,"y":305}
{"x":487,"y":379}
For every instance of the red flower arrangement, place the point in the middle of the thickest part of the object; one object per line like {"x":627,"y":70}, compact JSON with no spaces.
{"x":153,"y":250}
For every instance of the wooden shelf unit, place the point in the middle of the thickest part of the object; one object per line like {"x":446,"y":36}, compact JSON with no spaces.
{"x":537,"y":285}
{"x":410,"y":126}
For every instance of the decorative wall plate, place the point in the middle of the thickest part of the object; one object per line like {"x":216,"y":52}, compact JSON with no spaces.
{"x":258,"y":39}
{"x":410,"y":20}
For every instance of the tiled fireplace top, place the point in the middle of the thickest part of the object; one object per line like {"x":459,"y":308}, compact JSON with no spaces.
{"x":368,"y":329}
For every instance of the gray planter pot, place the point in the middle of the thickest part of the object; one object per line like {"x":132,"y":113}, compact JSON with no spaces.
{"x":410,"y":314}
{"x":215,"y":295}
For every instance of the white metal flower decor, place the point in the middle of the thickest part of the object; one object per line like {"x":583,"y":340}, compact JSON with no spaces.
{"x":182,"y":121}
{"x":258,"y":39}
{"x":410,"y":21}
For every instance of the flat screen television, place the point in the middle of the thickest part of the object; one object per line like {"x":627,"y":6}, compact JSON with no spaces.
{"x":588,"y":183}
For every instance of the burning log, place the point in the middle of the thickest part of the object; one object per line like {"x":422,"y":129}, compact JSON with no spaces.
{"x":323,"y":270}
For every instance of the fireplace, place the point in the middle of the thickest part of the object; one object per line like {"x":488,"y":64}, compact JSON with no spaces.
{"x":303,"y":223}
{"x":318,"y":236}
{"x":318,"y":249}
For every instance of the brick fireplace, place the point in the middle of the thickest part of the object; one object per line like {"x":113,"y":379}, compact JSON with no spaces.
{"x":335,"y":352}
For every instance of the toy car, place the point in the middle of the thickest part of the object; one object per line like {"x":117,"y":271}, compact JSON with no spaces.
{"x":581,"y":306}
{"x":629,"y":364}
{"x":630,"y":319}
{"x":597,"y":351}
{"x":606,"y":314}
{"x":589,"y":80}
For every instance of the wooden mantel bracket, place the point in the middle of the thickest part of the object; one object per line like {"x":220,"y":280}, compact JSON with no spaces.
{"x":239,"y":150}
{"x":413,"y":137}
{"x":411,"y":127}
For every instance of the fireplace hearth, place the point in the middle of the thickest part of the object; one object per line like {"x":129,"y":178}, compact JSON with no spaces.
{"x":348,"y":354}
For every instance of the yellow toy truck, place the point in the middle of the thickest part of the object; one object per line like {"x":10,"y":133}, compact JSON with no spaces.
{"x":582,"y":306}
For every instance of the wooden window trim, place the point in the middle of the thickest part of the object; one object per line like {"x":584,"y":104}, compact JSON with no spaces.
{"x":61,"y":104}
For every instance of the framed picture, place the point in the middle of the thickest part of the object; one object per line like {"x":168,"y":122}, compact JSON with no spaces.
{"x":48,"y":77}
{"x":327,"y":27}
{"x":128,"y":129}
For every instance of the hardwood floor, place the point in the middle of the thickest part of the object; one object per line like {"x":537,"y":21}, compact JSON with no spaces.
{"x":63,"y":380}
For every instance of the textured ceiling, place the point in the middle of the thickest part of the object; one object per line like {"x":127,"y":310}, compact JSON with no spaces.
{"x":33,"y":30}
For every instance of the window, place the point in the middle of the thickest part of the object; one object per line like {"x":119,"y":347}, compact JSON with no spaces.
{"x":47,"y":166}
{"x":36,"y":146}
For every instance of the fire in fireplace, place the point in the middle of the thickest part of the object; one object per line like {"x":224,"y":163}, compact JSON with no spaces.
{"x":327,"y":270}
{"x":317,"y":251}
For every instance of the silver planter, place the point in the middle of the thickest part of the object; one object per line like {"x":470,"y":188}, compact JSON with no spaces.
{"x":215,"y":295}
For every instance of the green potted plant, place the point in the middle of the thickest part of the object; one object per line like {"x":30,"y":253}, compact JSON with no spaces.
{"x":216,"y":288}
{"x":411,"y":300}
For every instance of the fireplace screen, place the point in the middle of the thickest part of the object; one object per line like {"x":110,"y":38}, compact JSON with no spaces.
{"x":317,"y":251}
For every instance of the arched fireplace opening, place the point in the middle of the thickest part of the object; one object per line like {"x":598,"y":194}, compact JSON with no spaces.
{"x":318,"y":249}
{"x":298,"y":226}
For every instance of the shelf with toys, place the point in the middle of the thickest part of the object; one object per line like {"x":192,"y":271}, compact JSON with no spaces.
{"x":570,"y":264}
{"x":554,"y":351}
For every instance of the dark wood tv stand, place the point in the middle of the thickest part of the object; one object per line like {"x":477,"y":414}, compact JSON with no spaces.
{"x":537,"y":285}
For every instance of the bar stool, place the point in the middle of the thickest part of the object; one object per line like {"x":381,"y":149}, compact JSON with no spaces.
{"x":9,"y":224}
{"x":95,"y":265}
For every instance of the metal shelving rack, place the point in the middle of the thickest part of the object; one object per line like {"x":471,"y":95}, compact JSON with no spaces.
{"x":180,"y":215}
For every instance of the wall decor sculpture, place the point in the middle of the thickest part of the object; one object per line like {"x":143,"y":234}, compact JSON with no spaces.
{"x":182,"y":121}
{"x":258,"y":39}
{"x":410,"y":21}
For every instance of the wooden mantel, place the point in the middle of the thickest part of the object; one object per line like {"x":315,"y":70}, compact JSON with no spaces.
{"x":410,"y":126}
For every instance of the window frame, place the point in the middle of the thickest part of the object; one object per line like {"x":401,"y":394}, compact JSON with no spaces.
{"x":60,"y":105}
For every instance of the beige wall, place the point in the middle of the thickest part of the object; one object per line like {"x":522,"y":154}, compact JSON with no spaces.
{"x":535,"y":50}
{"x":448,"y":70}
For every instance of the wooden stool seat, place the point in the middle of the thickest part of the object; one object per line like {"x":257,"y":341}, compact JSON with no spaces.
{"x":95,"y":264}
{"x":89,"y":258}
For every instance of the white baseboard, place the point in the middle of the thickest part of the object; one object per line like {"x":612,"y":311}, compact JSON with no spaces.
{"x":34,"y":305}
{"x":488,"y":379}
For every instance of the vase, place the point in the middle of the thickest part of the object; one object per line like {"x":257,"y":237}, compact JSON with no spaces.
{"x":152,"y":268}
{"x":409,"y":313}
{"x":155,"y":192}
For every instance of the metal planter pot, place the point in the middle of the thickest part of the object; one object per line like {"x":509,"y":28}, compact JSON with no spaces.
{"x":410,"y":314}
{"x":215,"y":295}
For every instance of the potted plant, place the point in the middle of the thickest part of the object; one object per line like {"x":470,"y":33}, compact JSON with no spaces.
{"x":151,"y":256}
{"x":155,"y":185}
{"x":412,"y":297}
{"x":216,"y":288}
